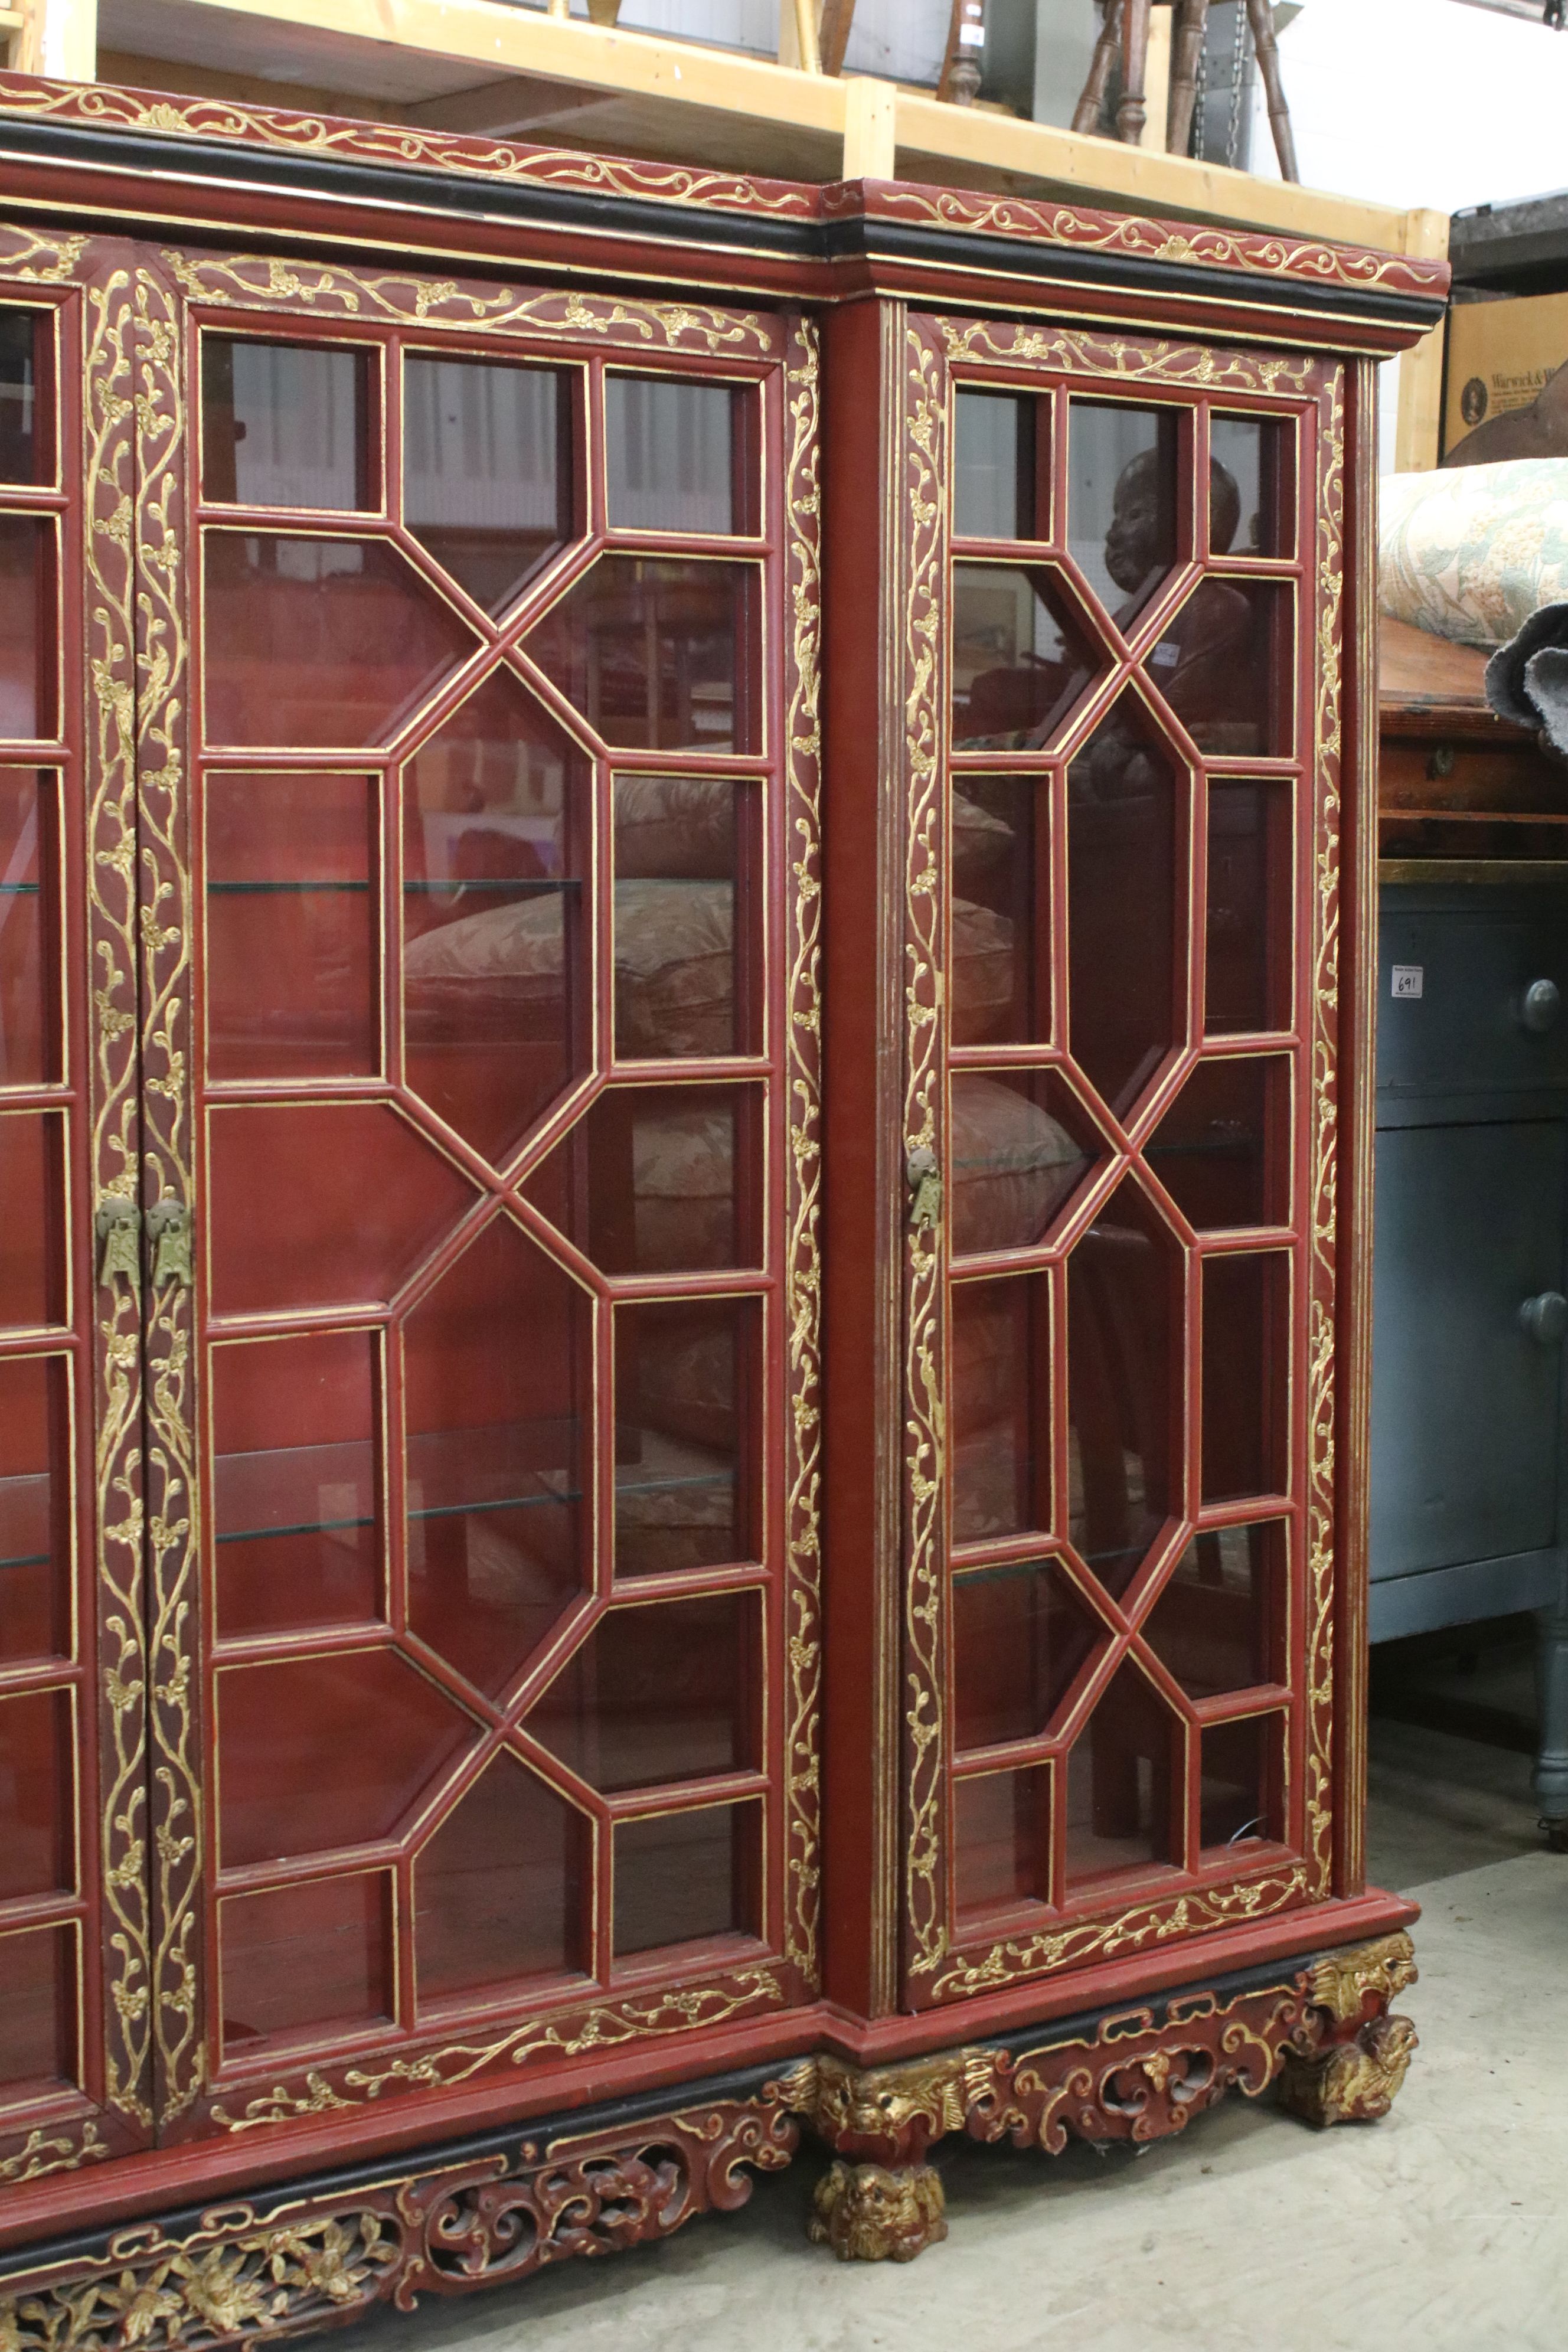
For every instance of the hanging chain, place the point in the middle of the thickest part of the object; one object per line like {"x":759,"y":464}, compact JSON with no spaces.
{"x":1201,"y":97}
{"x":1237,"y":75}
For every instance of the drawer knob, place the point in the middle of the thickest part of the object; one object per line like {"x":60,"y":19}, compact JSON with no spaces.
{"x":1545,"y":1317}
{"x":1540,"y":1006}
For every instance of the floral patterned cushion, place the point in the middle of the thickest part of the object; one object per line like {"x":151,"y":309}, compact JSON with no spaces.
{"x":1470,"y":551}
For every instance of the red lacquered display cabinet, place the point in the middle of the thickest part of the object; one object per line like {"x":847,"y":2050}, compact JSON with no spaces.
{"x":685,"y":1016}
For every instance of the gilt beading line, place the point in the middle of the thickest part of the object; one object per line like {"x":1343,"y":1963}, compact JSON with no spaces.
{"x":924,"y":486}
{"x":109,"y":459}
{"x":1228,"y":252}
{"x":802,"y":1077}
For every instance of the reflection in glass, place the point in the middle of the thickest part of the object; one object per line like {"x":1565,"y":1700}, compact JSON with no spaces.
{"x":1219,"y":1622}
{"x":683,"y":1877}
{"x":994,"y":465}
{"x":1249,"y":956}
{"x":1222,"y":1150}
{"x":305,"y":1960}
{"x":29,"y":987}
{"x":1246,"y":1332}
{"x":496,"y":843}
{"x":1255,"y":455}
{"x":1001,"y":1832}
{"x":1000,"y":847}
{"x":37,"y":2016}
{"x":1126,"y":817}
{"x":659,"y":653}
{"x":319,"y":641}
{"x":487,"y":470}
{"x":284,"y":424}
{"x":1124,"y":1319}
{"x":1020,"y":662}
{"x":292,"y":909}
{"x":27,"y":631}
{"x":23,"y":451}
{"x":499,"y":1890}
{"x":1125,"y":1786}
{"x":1020,"y":1635}
{"x":294,"y":1508}
{"x":659,"y":1180}
{"x":322,"y":1205}
{"x":999,"y":1337}
{"x":37,"y":1853}
{"x":328,"y":1751}
{"x":687,"y":1427}
{"x":35,"y":1506}
{"x":684,"y":966}
{"x":1018,"y":1148}
{"x":497,"y":1379}
{"x":1123,"y":471}
{"x":1224,"y":663}
{"x":32,"y":1231}
{"x":660,"y":1694}
{"x":1241,"y":1786}
{"x":670,"y":454}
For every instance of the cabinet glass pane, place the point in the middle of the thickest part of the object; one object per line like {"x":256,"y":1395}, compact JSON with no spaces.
{"x":1248,"y":949}
{"x":660,"y":1180}
{"x":296,"y":1510}
{"x":1224,"y":663}
{"x":498,"y":1429}
{"x":1123,"y":482}
{"x":1124,"y":1325}
{"x":1125,"y":821}
{"x":994,"y":468}
{"x":688,"y":1409}
{"x":37,"y":1853}
{"x":999,"y":844}
{"x":32,"y":1232}
{"x":1242,"y":1780}
{"x":1247,"y":1322}
{"x":25,"y":342}
{"x":37,"y":2016}
{"x":487,"y":470}
{"x":999,"y":1343}
{"x":29,"y":982}
{"x":1125,"y":1786}
{"x":499,"y":1890}
{"x":284,"y":424}
{"x":1251,"y":489}
{"x":1020,"y":1635}
{"x":27,"y":636}
{"x":37,"y":1481}
{"x":1219,"y":1623}
{"x":319,"y":641}
{"x":1021,"y":1145}
{"x":1020,"y":658}
{"x":659,"y":653}
{"x":666,"y":1693}
{"x":497,"y":936}
{"x":682,"y":1876}
{"x":686,"y":917}
{"x":292,"y":925}
{"x":1001,"y":1833}
{"x":670,"y":449}
{"x":1223,"y":1150}
{"x":304,"y":1960}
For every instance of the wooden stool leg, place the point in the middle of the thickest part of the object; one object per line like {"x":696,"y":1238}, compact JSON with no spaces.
{"x":1261,"y":18}
{"x":1134,"y":61}
{"x":1186,"y":48}
{"x":1086,"y":115}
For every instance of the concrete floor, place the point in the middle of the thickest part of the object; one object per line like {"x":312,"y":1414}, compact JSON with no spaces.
{"x":1445,"y":2226}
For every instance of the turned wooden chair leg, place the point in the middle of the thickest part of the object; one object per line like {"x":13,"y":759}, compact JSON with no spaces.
{"x":1260,"y":17}
{"x":1106,"y":47}
{"x":1130,"y":112}
{"x":1186,"y":49}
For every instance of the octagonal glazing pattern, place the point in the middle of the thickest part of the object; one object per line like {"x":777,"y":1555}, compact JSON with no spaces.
{"x":1022,"y":657}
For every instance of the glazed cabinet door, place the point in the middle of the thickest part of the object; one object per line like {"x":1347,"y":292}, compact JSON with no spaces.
{"x":1125,"y":578}
{"x":490,"y":1150}
{"x":75,"y":1936}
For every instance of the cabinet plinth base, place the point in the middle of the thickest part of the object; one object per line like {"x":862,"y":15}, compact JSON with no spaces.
{"x":870,"y":2213}
{"x":448,"y":2220}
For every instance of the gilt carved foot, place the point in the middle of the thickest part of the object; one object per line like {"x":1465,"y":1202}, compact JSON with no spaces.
{"x":870,"y":2213}
{"x":1356,"y":2081}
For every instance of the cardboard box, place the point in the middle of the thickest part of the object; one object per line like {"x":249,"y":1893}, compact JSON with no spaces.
{"x":1499,"y":355}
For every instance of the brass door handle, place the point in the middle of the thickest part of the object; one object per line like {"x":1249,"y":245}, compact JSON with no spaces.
{"x":923,"y":1178}
{"x":169,"y":1231}
{"x":118,"y":1226}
